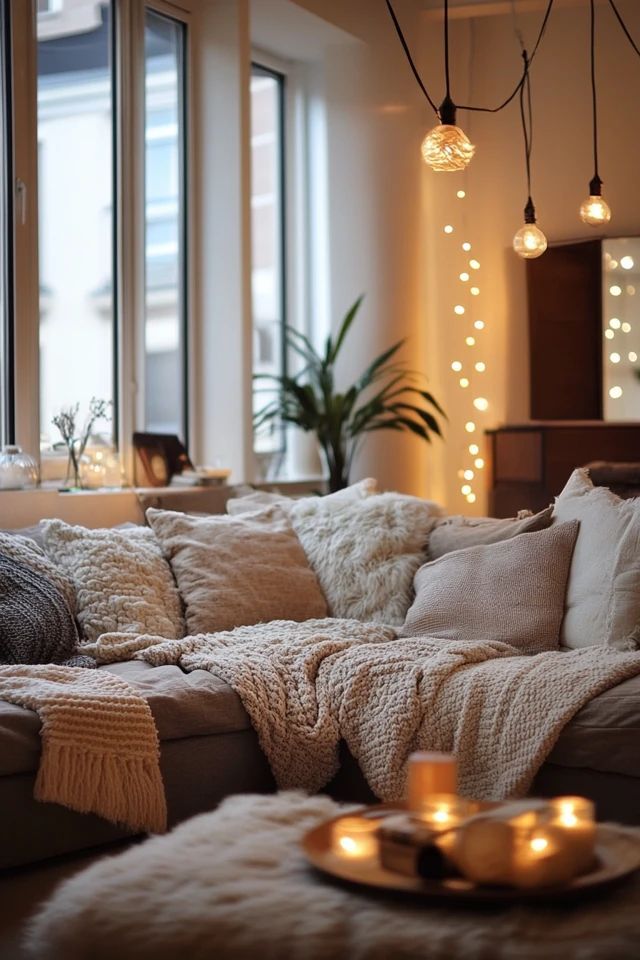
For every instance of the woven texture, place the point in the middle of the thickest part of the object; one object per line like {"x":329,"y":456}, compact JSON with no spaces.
{"x":457,"y":599}
{"x":456,"y":533}
{"x":603,"y":594}
{"x":36,"y":625}
{"x":233,"y":571}
{"x":234,"y":885}
{"x":256,"y":500}
{"x":27,"y":551}
{"x":122,"y":581}
{"x":100,"y":751}
{"x":308,"y":685}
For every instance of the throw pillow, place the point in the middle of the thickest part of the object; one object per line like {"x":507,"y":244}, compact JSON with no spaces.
{"x":237,"y":571}
{"x":511,"y":591}
{"x":36,"y":624}
{"x":259,"y":499}
{"x":122,"y":581}
{"x":26,"y":550}
{"x":456,"y":533}
{"x":603,"y":594}
{"x":365,"y":552}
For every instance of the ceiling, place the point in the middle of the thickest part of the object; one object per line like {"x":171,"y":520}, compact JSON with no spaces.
{"x":487,"y":8}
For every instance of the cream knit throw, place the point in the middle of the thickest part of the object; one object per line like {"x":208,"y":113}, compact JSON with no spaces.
{"x":100,"y":751}
{"x":308,"y":685}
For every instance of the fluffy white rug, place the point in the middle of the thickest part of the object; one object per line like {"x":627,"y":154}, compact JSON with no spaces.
{"x":233,"y":885}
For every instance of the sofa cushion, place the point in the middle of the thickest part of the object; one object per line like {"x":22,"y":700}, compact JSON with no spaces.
{"x":184,"y":705}
{"x":122,"y":581}
{"x":237,"y":571}
{"x":511,"y":592}
{"x":456,"y":533}
{"x":256,"y":500}
{"x":26,"y":550}
{"x":603,"y":593}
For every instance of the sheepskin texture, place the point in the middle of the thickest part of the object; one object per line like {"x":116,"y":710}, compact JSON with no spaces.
{"x":25,"y":550}
{"x":256,"y":500}
{"x":235,"y":885}
{"x":121,"y":579}
{"x":456,"y":597}
{"x":234,"y":571}
{"x":100,"y":750}
{"x":603,"y":594}
{"x":308,"y":685}
{"x":456,"y":533}
{"x":366,"y":551}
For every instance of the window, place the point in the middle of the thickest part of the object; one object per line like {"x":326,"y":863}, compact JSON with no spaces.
{"x":165,"y":226}
{"x":76,"y":201}
{"x":268,"y":241}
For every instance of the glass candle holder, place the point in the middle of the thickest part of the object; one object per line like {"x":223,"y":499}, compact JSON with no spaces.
{"x":428,"y":774}
{"x":355,"y":838}
{"x":575,"y":817}
{"x":542,"y":858}
{"x":444,"y":811}
{"x":18,"y":470}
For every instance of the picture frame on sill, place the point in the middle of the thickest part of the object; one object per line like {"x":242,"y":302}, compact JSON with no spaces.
{"x":158,"y":457}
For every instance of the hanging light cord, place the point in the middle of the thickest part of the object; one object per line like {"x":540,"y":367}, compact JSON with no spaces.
{"x":526,"y":116}
{"x":624,"y":27}
{"x":420,"y":82}
{"x":594,"y":98}
{"x":446,"y":50}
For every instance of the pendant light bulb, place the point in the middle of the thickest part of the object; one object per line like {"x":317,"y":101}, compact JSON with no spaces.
{"x":529,"y":242}
{"x":594,"y":210}
{"x":446,"y":148}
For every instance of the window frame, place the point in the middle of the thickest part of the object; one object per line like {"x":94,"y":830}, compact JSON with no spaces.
{"x":7,"y":383}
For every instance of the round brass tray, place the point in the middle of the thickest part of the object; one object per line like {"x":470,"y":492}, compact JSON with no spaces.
{"x":617,"y":856}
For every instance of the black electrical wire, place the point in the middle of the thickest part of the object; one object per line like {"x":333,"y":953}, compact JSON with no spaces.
{"x":594,"y":97}
{"x":624,"y":27}
{"x":526,"y":116}
{"x":446,"y":50}
{"x":420,"y":82}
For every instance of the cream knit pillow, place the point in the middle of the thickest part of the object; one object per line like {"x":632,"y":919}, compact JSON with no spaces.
{"x":456,"y":533}
{"x":603,"y":594}
{"x":122,"y":581}
{"x":511,"y":591}
{"x":237,"y":571}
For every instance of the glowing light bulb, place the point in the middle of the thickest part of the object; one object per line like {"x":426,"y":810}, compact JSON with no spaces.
{"x":448,"y":228}
{"x":468,"y":474}
{"x":466,"y":246}
{"x":529,"y":242}
{"x":633,"y":356}
{"x":465,"y":489}
{"x":615,"y":393}
{"x":474,"y":449}
{"x":464,"y":277}
{"x":457,"y":366}
{"x":474,"y":264}
{"x":479,"y":324}
{"x":464,"y":382}
{"x":627,"y":263}
{"x":609,"y":334}
{"x":480,"y":366}
{"x":470,"y":341}
{"x":614,"y":357}
{"x":614,"y":323}
{"x":631,"y":290}
{"x":474,"y":291}
{"x":460,"y":194}
{"x":478,"y":463}
{"x":446,"y":148}
{"x":459,"y":309}
{"x":626,"y":328}
{"x":470,"y":426}
{"x":595,"y":211}
{"x":615,"y":290}
{"x":471,"y":498}
{"x":480,"y":403}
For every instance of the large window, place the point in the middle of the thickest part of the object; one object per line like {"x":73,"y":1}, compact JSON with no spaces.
{"x":268,"y":241}
{"x":75,"y":206}
{"x":165,"y":226}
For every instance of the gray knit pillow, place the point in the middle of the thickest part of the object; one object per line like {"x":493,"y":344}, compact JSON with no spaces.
{"x":36,"y":624}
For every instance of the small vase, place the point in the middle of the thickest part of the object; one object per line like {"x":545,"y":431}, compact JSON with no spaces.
{"x":73,"y":480}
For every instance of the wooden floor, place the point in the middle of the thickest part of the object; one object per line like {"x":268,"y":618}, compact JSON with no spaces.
{"x":24,"y":889}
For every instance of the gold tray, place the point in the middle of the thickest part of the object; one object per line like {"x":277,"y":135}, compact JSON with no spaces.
{"x":617,"y":856}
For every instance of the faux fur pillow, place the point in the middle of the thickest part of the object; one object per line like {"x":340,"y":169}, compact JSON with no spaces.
{"x":456,"y":533}
{"x":257,"y":500}
{"x":237,"y":571}
{"x":122,"y":581}
{"x":365,"y":552}
{"x":512,"y":591}
{"x":603,"y":595}
{"x":25,"y":550}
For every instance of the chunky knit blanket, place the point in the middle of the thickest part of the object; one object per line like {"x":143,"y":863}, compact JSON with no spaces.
{"x":308,"y":685}
{"x":100,"y":751}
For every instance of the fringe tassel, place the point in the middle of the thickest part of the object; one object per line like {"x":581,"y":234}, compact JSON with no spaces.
{"x":127,"y":791}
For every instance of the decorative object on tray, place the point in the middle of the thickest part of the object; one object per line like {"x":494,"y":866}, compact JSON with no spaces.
{"x":201,"y":476}
{"x":18,"y":470}
{"x":443,"y":845}
{"x":74,"y":439}
{"x":342,"y":419}
{"x":159,"y":457}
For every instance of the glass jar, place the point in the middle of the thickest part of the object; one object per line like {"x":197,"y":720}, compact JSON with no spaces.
{"x":18,"y":471}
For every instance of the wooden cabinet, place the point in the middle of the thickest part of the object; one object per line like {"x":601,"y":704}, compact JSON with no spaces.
{"x":530,"y":464}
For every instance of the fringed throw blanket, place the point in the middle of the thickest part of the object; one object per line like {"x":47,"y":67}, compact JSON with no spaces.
{"x":100,"y":751}
{"x":308,"y":685}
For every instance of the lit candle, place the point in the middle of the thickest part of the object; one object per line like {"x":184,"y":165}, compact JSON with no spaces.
{"x":428,"y":774}
{"x":355,"y":838}
{"x":575,"y":817}
{"x":542,"y":858}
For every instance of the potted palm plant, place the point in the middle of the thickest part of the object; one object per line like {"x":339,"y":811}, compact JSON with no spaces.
{"x":386,"y":396}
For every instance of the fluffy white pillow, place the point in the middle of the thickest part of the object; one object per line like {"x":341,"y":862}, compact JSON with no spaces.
{"x":122,"y":581}
{"x":237,"y":571}
{"x":260,"y":499}
{"x":603,"y":593}
{"x":365,"y":552}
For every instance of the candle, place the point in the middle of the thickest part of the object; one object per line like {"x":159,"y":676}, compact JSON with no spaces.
{"x":542,"y":858}
{"x":575,"y":817}
{"x":443,"y":811}
{"x":355,"y":838}
{"x":430,"y":773}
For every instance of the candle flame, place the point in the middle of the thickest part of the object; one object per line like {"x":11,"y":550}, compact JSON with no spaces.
{"x":348,"y":844}
{"x":538,"y":844}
